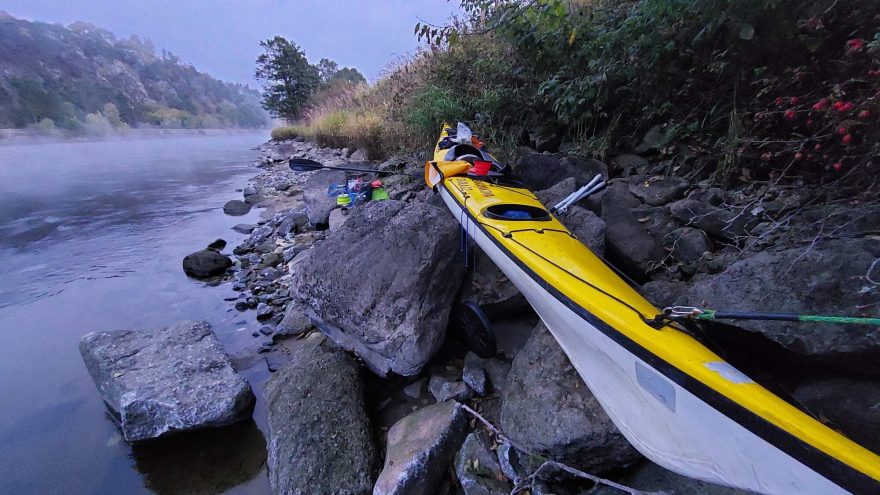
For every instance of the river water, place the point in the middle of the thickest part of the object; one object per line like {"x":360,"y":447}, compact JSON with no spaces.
{"x":92,"y":235}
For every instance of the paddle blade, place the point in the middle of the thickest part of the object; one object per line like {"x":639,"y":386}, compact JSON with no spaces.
{"x":303,"y":165}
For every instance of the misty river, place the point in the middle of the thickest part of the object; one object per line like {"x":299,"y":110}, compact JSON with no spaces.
{"x":92,"y":235}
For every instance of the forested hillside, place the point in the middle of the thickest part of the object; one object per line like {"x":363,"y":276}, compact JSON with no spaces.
{"x":83,"y":78}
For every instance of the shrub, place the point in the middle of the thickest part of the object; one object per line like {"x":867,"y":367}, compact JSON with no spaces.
{"x":287,"y":132}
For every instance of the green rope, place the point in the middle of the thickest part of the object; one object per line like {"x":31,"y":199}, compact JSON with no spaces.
{"x":712,"y":314}
{"x":839,"y":319}
{"x":706,"y":314}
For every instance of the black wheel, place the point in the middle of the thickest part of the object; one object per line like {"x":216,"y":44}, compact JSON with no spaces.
{"x":476,"y":329}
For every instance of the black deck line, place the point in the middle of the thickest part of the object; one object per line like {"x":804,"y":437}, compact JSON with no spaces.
{"x":830,"y":467}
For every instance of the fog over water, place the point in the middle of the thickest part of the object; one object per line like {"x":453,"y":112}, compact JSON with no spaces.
{"x":92,"y":235}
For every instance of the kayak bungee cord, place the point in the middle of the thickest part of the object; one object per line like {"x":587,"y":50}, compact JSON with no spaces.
{"x":656,"y":322}
{"x":689,"y":312}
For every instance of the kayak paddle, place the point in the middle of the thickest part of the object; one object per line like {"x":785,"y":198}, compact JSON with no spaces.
{"x":306,"y":165}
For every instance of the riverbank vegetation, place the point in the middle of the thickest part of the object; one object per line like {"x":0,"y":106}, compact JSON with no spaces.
{"x":723,"y":90}
{"x":81,"y":79}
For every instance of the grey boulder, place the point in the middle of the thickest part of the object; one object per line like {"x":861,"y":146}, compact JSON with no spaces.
{"x":236,"y":208}
{"x":487,"y":286}
{"x":849,"y":404}
{"x":587,"y":227}
{"x":478,"y":470}
{"x":296,"y":321}
{"x":420,"y":447}
{"x":205,"y":263}
{"x":658,"y":191}
{"x":320,"y":439}
{"x":540,"y":171}
{"x":825,"y":278}
{"x":722,"y":223}
{"x":317,"y":202}
{"x":547,"y":409}
{"x":627,"y":240}
{"x":444,"y":389}
{"x":173,"y":379}
{"x":382,"y":284}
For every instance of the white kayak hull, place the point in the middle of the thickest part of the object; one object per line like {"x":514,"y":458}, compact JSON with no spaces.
{"x":662,"y":419}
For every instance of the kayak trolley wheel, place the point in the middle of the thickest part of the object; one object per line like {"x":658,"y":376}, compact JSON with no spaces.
{"x":476,"y":329}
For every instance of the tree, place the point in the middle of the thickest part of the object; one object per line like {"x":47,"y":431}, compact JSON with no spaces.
{"x":331,"y":73}
{"x":348,"y":75}
{"x":327,"y":68}
{"x":288,"y":78}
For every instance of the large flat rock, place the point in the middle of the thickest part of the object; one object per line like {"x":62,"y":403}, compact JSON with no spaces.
{"x":173,"y":379}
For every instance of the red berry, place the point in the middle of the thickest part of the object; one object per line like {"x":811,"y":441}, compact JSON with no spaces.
{"x":855,"y":44}
{"x":789,"y":114}
{"x":809,"y":122}
{"x":865,"y":114}
{"x":837,"y":166}
{"x":838,"y":105}
{"x":848,"y":106}
{"x":798,"y":156}
{"x":842,"y":130}
{"x":779,"y":101}
{"x":847,"y":139}
{"x":817,"y":147}
{"x":766,"y":156}
{"x":821,"y":104}
{"x":793,"y":100}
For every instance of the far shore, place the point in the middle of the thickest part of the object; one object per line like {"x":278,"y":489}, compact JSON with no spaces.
{"x":28,"y":136}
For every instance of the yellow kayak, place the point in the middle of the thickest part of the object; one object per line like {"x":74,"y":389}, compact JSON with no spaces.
{"x":677,"y":402}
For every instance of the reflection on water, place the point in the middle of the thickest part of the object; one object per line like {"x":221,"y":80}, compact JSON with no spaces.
{"x":91,"y":238}
{"x":202,"y":462}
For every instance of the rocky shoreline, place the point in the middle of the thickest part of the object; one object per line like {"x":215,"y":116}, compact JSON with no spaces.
{"x":354,"y":311}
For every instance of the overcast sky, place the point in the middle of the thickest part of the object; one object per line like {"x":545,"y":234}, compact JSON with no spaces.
{"x":221,"y":37}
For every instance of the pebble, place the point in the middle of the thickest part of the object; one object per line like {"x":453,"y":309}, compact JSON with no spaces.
{"x":265,"y":330}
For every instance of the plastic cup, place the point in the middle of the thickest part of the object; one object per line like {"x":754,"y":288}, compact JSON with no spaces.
{"x":481,"y":167}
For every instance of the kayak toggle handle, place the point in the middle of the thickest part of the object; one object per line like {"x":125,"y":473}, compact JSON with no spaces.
{"x":682,"y":312}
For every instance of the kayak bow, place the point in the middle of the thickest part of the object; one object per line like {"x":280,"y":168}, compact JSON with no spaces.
{"x":676,"y":401}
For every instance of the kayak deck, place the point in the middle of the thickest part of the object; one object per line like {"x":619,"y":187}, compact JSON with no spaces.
{"x":546,"y":249}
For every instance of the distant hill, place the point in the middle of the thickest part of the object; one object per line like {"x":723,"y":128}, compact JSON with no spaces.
{"x":83,"y":78}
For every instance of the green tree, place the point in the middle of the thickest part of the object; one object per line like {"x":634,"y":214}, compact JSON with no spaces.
{"x":331,"y":74}
{"x":288,"y":78}
{"x":327,"y":68}
{"x":347,"y":74}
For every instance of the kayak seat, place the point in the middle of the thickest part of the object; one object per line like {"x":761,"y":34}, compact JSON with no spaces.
{"x":460,"y":150}
{"x":510,"y":211}
{"x":470,"y":153}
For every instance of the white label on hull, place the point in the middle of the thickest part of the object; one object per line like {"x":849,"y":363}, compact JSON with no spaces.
{"x":656,"y":385}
